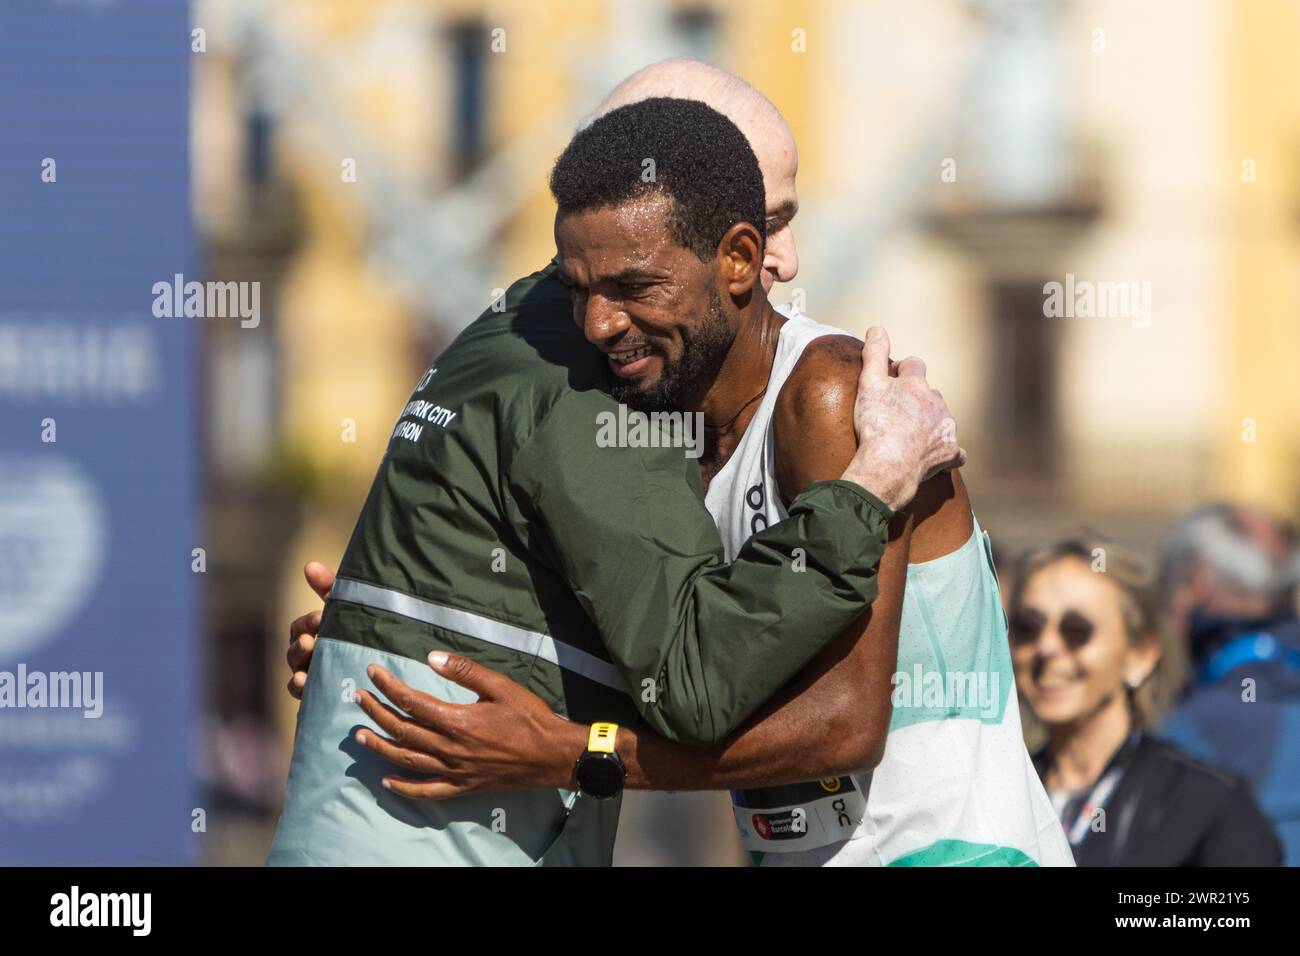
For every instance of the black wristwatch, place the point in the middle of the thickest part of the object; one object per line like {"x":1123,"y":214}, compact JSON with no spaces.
{"x":599,"y":772}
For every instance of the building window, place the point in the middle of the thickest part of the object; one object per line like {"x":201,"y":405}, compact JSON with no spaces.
{"x":258,"y":129}
{"x":243,"y":404}
{"x":1022,"y":380}
{"x":469,"y":42}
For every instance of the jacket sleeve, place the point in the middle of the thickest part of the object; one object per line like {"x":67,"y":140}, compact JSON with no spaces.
{"x":700,"y":643}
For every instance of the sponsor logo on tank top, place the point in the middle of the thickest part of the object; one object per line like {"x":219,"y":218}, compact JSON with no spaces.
{"x":755,"y":502}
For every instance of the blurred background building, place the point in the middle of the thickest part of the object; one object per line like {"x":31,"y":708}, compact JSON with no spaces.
{"x":380,"y":167}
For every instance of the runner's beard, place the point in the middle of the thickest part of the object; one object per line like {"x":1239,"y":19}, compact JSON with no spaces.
{"x":704,"y":348}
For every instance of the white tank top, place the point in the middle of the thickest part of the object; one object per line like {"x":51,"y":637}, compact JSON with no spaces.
{"x":956,"y":785}
{"x":743,"y":496}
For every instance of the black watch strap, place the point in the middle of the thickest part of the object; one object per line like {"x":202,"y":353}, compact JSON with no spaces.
{"x":600,"y":772}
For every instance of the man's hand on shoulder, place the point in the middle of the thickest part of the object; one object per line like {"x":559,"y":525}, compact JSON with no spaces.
{"x":906,"y":433}
{"x":816,"y":440}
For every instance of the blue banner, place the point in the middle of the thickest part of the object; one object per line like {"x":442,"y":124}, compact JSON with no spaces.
{"x":98,"y":690}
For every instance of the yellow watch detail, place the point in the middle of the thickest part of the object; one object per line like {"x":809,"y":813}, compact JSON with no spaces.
{"x":602,"y":738}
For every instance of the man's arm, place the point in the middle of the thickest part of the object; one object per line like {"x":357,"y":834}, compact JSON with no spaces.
{"x":883,"y":414}
{"x":712,"y":641}
{"x":814,"y":436}
{"x":832,"y":719}
{"x":835,"y":716}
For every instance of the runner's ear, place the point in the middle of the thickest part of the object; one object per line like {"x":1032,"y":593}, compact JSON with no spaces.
{"x":740,"y":259}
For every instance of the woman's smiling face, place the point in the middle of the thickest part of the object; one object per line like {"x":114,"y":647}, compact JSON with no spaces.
{"x":1069,"y":644}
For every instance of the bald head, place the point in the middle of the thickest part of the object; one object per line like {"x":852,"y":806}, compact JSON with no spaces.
{"x":685,"y":79}
{"x":754,"y":115}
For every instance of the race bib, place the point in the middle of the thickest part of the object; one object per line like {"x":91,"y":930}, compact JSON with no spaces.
{"x":799,"y":816}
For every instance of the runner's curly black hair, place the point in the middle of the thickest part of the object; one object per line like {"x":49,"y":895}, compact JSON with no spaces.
{"x":682,"y":149}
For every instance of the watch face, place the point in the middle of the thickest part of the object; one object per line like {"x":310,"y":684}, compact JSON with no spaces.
{"x":600,"y":775}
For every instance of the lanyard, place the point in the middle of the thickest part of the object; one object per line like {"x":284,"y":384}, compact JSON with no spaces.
{"x":1101,"y":791}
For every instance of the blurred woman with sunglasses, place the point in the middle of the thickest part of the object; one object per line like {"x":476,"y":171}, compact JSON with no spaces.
{"x":1095,"y":672}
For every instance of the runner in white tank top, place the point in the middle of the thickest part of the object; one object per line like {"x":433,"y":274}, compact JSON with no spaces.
{"x":956,"y":786}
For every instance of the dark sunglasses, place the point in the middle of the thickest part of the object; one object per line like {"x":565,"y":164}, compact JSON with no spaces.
{"x":1027,"y":626}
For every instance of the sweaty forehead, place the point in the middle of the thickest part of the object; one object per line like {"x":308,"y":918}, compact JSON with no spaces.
{"x":641,"y":221}
{"x":613,"y":239}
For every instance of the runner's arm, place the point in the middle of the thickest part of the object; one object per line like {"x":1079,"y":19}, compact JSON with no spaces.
{"x":630,"y":533}
{"x":835,"y":717}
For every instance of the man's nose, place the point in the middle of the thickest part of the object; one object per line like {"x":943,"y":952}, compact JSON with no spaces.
{"x":603,"y":321}
{"x":781,"y":257}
